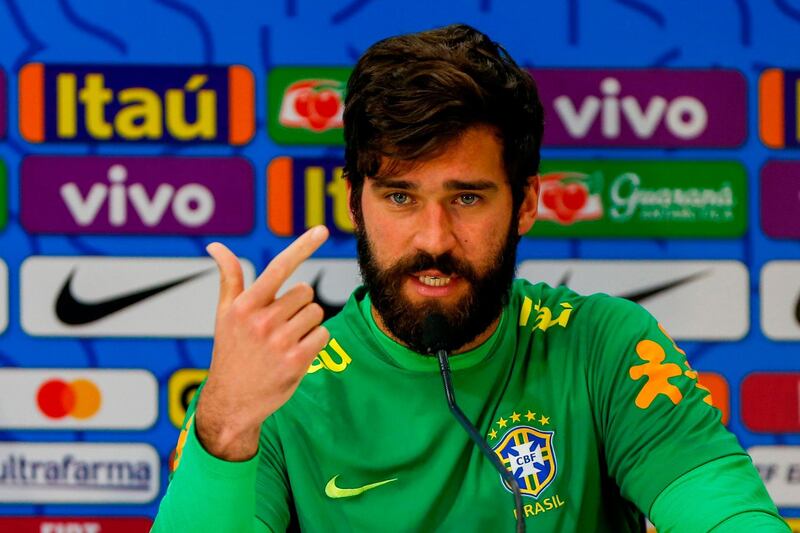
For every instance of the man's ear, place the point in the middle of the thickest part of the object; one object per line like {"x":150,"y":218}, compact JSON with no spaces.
{"x":529,"y":207}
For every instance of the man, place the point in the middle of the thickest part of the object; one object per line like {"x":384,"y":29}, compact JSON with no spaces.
{"x":587,"y":400}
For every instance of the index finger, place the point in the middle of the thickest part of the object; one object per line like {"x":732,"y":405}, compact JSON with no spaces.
{"x":266,"y":286}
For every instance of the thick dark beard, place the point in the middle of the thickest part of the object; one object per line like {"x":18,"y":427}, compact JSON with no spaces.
{"x":470,"y":317}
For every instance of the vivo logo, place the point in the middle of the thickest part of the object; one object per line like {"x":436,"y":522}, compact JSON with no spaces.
{"x":685,"y":116}
{"x":192,"y":204}
{"x":137,"y":195}
{"x":653,"y":107}
{"x":780,"y":198}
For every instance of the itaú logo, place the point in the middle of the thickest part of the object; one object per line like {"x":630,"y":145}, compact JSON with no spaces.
{"x":136,"y":103}
{"x":79,"y":399}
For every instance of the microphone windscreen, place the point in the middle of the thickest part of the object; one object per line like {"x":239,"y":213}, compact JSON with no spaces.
{"x":435,"y":333}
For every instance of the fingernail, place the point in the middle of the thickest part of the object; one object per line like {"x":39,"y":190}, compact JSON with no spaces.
{"x":319,"y":231}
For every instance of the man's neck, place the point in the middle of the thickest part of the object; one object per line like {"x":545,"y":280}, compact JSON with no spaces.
{"x":480,"y":339}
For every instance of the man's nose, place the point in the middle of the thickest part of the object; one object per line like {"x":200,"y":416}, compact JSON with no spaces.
{"x":435,"y":232}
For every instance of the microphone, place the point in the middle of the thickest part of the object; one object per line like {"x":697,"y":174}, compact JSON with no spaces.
{"x":434,"y":338}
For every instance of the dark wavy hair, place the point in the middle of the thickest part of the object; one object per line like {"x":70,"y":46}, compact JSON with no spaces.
{"x":410,"y":96}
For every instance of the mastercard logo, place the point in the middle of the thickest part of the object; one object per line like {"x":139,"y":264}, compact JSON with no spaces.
{"x":79,"y":398}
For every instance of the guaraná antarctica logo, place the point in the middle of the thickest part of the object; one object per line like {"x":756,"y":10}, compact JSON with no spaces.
{"x":642,"y":199}
{"x":306,"y":104}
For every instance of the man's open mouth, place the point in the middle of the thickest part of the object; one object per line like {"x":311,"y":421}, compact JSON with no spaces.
{"x":434,"y":281}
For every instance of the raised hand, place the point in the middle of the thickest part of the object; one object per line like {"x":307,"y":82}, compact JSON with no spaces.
{"x":263,"y":346}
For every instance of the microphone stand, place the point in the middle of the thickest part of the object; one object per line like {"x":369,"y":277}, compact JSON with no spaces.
{"x":444,"y":368}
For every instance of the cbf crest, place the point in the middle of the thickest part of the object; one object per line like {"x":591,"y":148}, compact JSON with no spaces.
{"x":528,"y":453}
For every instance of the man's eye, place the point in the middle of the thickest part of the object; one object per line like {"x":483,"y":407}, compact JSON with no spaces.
{"x":468,"y":199}
{"x":399,"y":198}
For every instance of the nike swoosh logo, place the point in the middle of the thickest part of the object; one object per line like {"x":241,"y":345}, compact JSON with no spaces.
{"x":797,"y":310}
{"x":332,"y":491}
{"x":70,"y":310}
{"x":649,"y":292}
{"x":645,"y":293}
{"x":329,"y":308}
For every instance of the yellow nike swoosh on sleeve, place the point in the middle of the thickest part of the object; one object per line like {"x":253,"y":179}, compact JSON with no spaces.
{"x":332,"y":491}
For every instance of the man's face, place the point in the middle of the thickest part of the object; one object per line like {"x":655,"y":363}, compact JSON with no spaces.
{"x":441,"y":237}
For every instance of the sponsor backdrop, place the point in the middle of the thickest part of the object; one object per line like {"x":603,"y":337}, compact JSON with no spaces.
{"x":132,"y":134}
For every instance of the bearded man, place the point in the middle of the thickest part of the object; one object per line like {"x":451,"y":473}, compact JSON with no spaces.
{"x":585,"y":400}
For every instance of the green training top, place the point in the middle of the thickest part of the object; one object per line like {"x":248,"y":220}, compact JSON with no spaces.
{"x":586,"y":400}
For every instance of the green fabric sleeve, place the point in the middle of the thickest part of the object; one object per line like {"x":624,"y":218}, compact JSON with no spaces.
{"x":207,"y":494}
{"x":656,"y":420}
{"x":724,"y":496}
{"x":273,"y":498}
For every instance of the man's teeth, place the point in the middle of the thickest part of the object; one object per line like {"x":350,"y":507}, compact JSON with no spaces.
{"x":434,"y":281}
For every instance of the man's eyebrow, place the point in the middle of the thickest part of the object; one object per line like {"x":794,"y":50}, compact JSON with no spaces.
{"x":450,"y":185}
{"x":476,"y":185}
{"x":394,"y":183}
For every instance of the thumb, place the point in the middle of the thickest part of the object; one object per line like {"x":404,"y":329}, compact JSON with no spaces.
{"x":231,"y":279}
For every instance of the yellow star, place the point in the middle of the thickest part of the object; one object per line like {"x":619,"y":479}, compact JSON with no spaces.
{"x":502,"y":422}
{"x":514,"y":417}
{"x":530,"y":416}
{"x":493,"y":434}
{"x":544,"y":420}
